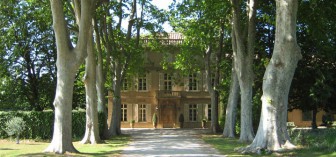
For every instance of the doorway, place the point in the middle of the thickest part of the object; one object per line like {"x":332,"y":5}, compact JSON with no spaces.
{"x":168,"y":115}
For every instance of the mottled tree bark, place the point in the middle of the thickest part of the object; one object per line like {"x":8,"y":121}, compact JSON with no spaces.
{"x":92,"y":129}
{"x":243,"y":63}
{"x":272,"y":132}
{"x":231,"y":109}
{"x":68,"y":61}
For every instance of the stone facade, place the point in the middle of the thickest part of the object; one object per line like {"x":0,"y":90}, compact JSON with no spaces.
{"x":167,"y":93}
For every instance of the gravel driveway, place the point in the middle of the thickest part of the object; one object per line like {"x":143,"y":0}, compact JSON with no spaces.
{"x":167,"y":142}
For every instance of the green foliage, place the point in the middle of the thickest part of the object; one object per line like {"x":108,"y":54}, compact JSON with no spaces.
{"x":314,"y":84}
{"x":154,"y":118}
{"x":310,"y":143}
{"x":315,"y":140}
{"x":39,"y":125}
{"x":27,"y":64}
{"x":221,"y":122}
{"x":15,"y":126}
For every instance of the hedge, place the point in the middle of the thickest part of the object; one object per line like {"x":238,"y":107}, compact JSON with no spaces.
{"x":39,"y":125}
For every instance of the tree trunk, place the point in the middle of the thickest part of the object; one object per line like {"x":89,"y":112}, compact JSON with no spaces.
{"x":101,"y":77}
{"x":114,"y":129}
{"x":100,"y":81}
{"x":68,"y":61}
{"x":272,"y":132}
{"x":62,"y":137}
{"x":92,"y":128}
{"x":213,"y":93}
{"x":214,"y":112}
{"x":231,"y":109}
{"x":243,"y":62}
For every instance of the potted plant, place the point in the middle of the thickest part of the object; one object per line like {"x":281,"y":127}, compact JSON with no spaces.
{"x":204,"y":120}
{"x":132,"y":123}
{"x":155,"y":120}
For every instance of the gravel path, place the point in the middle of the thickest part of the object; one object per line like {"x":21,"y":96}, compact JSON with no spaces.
{"x":167,"y":142}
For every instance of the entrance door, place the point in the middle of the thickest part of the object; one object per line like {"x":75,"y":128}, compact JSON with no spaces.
{"x":168,"y":116}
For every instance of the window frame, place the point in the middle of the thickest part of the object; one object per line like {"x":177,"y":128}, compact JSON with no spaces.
{"x":142,"y":82}
{"x":167,"y":82}
{"x":192,"y":109}
{"x":193,"y":82}
{"x":124,"y":113}
{"x":142,"y":108}
{"x":125,"y":85}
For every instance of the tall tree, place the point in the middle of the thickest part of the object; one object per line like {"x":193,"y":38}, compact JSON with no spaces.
{"x":91,"y":127}
{"x":123,"y":46}
{"x":231,"y":108}
{"x":272,"y":132}
{"x":204,"y":28}
{"x":243,"y":63}
{"x":29,"y":63}
{"x":69,"y":59}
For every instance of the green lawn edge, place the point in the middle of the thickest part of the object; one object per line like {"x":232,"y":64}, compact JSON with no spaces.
{"x":111,"y":147}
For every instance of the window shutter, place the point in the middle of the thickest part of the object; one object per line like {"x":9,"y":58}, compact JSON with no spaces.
{"x":199,"y":81}
{"x":186,"y":112}
{"x":205,"y":83}
{"x":129,"y":112}
{"x":186,"y":83}
{"x":148,"y":112}
{"x":136,"y":113}
{"x":148,"y":81}
{"x":161,"y":84}
{"x":199,"y":112}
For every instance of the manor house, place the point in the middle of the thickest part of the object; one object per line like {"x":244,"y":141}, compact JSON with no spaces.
{"x":167,"y":93}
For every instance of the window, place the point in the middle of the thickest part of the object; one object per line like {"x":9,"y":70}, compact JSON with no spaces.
{"x":307,"y":115}
{"x":193,"y":82}
{"x":167,"y":80}
{"x":125,"y":84}
{"x":142,"y":82}
{"x":192,"y":112}
{"x":142,"y":113}
{"x":124,"y":112}
{"x":209,"y":112}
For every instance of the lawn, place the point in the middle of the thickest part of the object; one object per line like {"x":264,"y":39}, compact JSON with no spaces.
{"x":111,"y":147}
{"x":318,"y":144}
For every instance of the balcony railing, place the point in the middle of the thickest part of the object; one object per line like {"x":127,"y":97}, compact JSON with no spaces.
{"x":168,"y":94}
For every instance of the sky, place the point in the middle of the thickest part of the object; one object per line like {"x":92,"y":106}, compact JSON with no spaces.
{"x":163,"y":4}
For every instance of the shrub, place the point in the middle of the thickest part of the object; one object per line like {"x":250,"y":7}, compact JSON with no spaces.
{"x":39,"y":125}
{"x":317,"y":140}
{"x":15,"y":126}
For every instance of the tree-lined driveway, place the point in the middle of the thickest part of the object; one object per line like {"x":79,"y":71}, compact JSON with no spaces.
{"x":167,"y":142}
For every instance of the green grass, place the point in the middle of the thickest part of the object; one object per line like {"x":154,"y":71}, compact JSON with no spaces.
{"x":111,"y":147}
{"x":320,"y":143}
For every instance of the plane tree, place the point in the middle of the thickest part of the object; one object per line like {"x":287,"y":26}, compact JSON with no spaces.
{"x":243,"y":61}
{"x":272,"y":131}
{"x":122,"y":47}
{"x":205,"y":30}
{"x":69,"y":59}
